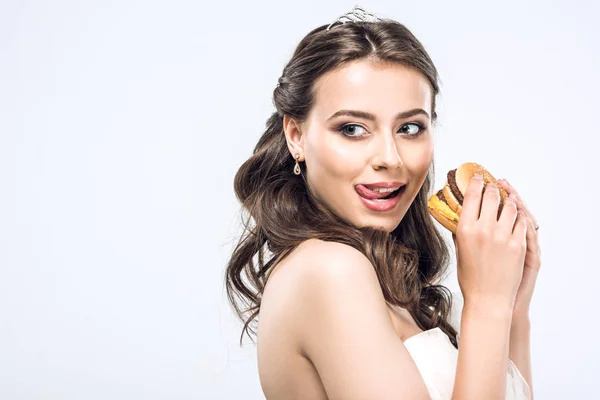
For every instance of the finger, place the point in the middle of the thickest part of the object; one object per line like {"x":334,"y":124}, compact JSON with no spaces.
{"x":509,"y":214}
{"x":523,"y":207}
{"x":531,"y":237}
{"x":512,"y":192}
{"x":490,"y":204}
{"x":534,"y":253}
{"x":507,"y":186}
{"x":532,"y":240}
{"x":472,"y":200}
{"x":520,"y":231}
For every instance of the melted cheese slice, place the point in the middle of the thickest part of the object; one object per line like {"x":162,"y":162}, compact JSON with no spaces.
{"x":441,"y":207}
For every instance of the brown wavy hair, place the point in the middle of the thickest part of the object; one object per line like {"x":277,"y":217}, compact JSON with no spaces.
{"x":280,"y":211}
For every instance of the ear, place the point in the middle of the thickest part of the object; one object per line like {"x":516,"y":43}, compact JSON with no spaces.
{"x":294,"y":136}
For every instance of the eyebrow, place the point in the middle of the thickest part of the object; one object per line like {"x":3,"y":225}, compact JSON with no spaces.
{"x":371,"y":117}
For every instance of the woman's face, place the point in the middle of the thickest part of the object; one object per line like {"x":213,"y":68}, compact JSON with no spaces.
{"x":390,"y":141}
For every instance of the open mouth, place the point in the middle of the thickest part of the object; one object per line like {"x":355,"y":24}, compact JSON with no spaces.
{"x":375,"y":195}
{"x":376,"y":201}
{"x":392,"y":194}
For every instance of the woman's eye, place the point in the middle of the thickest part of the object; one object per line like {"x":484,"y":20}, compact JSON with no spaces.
{"x":350,"y":130}
{"x":417,"y":128}
{"x":353,"y":130}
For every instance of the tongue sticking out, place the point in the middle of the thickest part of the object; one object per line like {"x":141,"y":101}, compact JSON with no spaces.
{"x":391,"y":194}
{"x":373,"y":195}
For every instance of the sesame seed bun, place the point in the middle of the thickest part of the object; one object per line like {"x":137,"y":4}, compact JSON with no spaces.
{"x":465,"y":172}
{"x":445,"y":205}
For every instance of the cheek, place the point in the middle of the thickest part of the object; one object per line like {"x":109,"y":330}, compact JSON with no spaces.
{"x":334,"y":162}
{"x":418,"y":157}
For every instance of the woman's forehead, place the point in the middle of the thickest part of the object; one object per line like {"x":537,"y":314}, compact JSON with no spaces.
{"x":376,"y":88}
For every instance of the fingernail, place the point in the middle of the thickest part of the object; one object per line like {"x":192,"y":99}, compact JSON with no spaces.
{"x":478,"y":177}
{"x":514,"y":197}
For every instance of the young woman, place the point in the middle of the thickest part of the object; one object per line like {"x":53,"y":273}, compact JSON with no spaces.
{"x":342,"y":286}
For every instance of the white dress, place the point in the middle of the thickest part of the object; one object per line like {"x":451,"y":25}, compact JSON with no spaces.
{"x":436,"y":359}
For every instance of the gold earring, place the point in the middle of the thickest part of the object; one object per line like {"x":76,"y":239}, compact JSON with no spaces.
{"x":297,"y":166}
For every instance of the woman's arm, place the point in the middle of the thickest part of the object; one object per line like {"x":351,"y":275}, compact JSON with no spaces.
{"x":484,"y":349}
{"x":520,"y":352}
{"x":344,"y":328}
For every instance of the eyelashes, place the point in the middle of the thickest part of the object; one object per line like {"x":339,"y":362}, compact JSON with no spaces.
{"x":342,"y":130}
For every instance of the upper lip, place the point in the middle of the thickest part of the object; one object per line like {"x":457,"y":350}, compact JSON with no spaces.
{"x":384,"y":184}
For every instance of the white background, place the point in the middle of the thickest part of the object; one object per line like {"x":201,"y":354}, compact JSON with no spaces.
{"x":122,"y":124}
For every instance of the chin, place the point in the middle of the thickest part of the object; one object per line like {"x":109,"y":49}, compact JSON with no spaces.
{"x":387,"y":224}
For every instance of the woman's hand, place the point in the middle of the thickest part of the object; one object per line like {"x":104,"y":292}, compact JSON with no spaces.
{"x":490,"y":252}
{"x":532,"y":262}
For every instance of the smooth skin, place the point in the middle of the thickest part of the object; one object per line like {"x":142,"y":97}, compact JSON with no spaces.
{"x":520,"y":352}
{"x":343,"y":151}
{"x":325,"y":330}
{"x":490,"y":258}
{"x":520,"y":332}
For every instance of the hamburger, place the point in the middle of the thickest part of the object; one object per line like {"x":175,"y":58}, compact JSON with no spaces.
{"x":445,"y":205}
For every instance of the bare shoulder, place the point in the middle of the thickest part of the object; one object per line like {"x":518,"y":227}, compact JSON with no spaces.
{"x":334,"y":278}
{"x":343,"y":326}
{"x":333,"y":269}
{"x":327,"y":262}
{"x":319,"y":270}
{"x":321,"y":260}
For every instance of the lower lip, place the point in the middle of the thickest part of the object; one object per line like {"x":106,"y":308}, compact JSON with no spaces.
{"x":383,"y":205}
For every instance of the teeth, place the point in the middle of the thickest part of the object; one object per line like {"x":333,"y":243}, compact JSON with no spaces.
{"x":383,"y":190}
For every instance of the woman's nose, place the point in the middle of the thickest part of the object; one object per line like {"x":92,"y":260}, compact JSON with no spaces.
{"x":386,"y":154}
